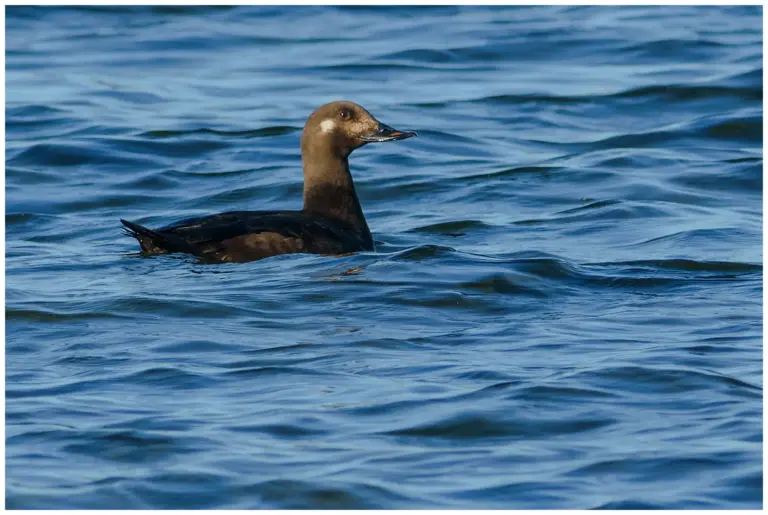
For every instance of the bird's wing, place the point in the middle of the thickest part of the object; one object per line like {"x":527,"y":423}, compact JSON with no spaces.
{"x":225,"y":233}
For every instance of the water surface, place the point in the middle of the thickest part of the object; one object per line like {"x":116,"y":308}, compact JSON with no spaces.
{"x":563,"y":309}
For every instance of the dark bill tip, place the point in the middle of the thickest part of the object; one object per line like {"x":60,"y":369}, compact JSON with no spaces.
{"x":387,"y":133}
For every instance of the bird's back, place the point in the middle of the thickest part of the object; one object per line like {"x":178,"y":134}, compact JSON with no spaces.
{"x":240,"y":236}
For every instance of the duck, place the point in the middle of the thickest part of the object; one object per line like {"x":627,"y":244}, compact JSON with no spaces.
{"x":331,"y":221}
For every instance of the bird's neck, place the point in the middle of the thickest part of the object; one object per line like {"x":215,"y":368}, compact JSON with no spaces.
{"x":329,"y":190}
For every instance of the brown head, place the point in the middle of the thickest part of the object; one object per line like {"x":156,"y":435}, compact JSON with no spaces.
{"x":331,"y":133}
{"x":340,"y":127}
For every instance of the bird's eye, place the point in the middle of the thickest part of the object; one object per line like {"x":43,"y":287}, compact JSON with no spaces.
{"x":345,"y":114}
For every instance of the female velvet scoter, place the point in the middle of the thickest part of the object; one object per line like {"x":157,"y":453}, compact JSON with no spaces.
{"x":331,"y":221}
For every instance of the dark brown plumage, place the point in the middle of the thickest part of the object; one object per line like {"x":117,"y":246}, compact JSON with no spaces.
{"x":331,"y":222}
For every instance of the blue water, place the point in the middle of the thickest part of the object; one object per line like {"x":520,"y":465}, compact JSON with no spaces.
{"x":563,"y":309}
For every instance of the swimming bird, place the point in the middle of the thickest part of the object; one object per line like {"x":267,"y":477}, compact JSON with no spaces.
{"x":331,"y":221}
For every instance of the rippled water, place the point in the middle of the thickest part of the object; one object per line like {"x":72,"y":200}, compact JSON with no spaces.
{"x":563,"y":309}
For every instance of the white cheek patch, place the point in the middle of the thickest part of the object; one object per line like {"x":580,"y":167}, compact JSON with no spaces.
{"x":327,"y":125}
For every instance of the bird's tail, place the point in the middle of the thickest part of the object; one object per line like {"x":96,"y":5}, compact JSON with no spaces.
{"x":152,"y":242}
